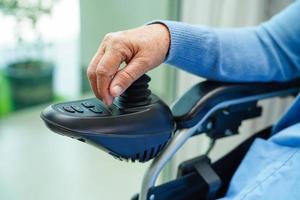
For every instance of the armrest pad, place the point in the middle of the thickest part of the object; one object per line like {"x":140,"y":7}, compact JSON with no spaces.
{"x":197,"y":101}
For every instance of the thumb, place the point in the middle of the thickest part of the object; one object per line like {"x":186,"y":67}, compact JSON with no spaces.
{"x":125,"y":77}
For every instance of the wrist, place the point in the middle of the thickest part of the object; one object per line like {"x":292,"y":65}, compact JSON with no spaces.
{"x":164,"y":36}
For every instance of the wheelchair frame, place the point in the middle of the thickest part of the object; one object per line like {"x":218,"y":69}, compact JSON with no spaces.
{"x":203,"y":110}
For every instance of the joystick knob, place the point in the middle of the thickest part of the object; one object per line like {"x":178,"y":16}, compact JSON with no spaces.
{"x":138,"y":94}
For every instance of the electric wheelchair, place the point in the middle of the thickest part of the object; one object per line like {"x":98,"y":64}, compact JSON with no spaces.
{"x":138,"y":127}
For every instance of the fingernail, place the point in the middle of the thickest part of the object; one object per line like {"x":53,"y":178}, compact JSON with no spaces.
{"x":117,"y":90}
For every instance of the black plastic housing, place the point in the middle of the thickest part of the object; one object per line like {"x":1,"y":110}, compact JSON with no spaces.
{"x":136,"y":133}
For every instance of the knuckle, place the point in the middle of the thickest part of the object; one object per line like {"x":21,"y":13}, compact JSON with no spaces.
{"x":116,"y":46}
{"x":144,"y":62}
{"x":102,"y":71}
{"x":91,"y":74}
{"x":108,"y":36}
{"x":119,"y":51}
{"x":114,"y":38}
{"x":126,"y":77}
{"x":117,"y":43}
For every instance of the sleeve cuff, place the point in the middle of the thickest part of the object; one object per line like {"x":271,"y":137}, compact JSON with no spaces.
{"x":191,"y":47}
{"x":176,"y":32}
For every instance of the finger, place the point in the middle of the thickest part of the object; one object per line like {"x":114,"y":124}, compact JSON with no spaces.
{"x":106,"y":69}
{"x":91,"y":71}
{"x":125,"y":77}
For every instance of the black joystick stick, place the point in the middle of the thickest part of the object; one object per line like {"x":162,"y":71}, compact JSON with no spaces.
{"x":136,"y":127}
{"x":137,"y":94}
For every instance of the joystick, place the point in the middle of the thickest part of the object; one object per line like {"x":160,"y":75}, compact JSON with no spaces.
{"x":137,"y":94}
{"x":135,"y":127}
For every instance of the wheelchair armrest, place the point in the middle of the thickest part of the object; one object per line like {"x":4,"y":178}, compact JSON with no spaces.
{"x":197,"y":101}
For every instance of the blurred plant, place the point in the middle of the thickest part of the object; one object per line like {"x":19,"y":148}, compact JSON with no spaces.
{"x":32,"y":73}
{"x":30,"y":10}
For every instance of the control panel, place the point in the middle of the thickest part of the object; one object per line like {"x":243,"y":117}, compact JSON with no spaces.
{"x":136,"y":126}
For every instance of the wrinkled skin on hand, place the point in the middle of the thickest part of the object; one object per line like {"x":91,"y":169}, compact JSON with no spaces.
{"x":142,"y":49}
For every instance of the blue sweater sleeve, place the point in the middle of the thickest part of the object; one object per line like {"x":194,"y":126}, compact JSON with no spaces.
{"x":268,"y":52}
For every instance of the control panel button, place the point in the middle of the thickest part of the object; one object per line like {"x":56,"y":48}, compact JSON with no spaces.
{"x":88,"y":104}
{"x":96,"y":110}
{"x":69,"y":109}
{"x":77,"y":108}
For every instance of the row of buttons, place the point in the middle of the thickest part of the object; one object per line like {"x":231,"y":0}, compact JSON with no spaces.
{"x":75,"y":108}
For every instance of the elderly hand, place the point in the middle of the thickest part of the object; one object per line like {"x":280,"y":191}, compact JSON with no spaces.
{"x":142,"y":49}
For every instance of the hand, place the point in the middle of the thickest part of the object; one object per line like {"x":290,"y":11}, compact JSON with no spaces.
{"x":142,"y":49}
